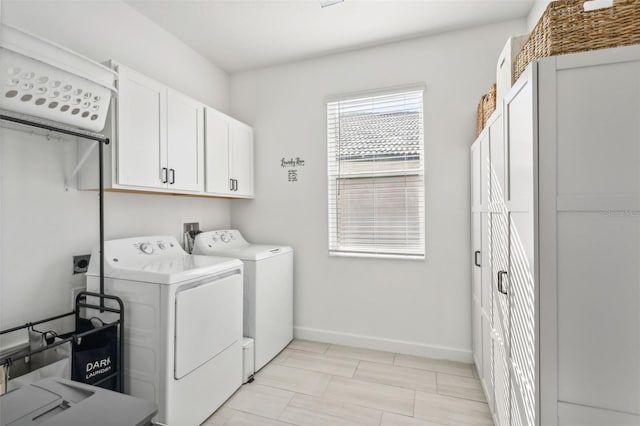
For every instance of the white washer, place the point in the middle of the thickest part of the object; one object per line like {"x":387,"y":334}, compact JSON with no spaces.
{"x":183,"y":324}
{"x":268,"y":288}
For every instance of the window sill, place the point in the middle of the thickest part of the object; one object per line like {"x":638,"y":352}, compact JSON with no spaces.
{"x":377,"y":255}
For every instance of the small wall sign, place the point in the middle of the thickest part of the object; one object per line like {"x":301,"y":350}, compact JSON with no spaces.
{"x":291,"y":165}
{"x":292,"y":162}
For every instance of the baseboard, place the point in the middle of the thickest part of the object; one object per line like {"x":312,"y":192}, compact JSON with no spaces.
{"x":381,"y":344}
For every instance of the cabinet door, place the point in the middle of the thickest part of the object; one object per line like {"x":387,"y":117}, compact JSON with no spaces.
{"x":141,"y":136}
{"x":485,"y":265}
{"x":476,"y":175}
{"x":476,"y":257}
{"x":486,"y":374}
{"x":519,"y":115}
{"x":476,"y":338}
{"x":185,"y":142}
{"x":590,"y":225}
{"x":217,"y":153}
{"x":476,"y":227}
{"x":476,"y":242}
{"x":496,"y":166}
{"x":499,"y":266}
{"x":502,"y":381}
{"x":241,"y":164}
{"x":485,"y":162}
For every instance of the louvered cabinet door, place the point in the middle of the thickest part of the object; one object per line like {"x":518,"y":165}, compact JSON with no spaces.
{"x":520,"y":287}
{"x":477,"y":236}
{"x":494,"y":131}
{"x":498,"y":235}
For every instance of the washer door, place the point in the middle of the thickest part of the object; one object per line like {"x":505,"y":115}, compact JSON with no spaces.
{"x":208,"y":320}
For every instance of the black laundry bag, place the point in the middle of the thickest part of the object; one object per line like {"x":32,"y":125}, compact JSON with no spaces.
{"x":95,"y":356}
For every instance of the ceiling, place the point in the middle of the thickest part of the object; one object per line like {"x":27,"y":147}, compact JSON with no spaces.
{"x":239,"y":35}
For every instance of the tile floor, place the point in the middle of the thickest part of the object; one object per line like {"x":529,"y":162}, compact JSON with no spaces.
{"x":318,"y":384}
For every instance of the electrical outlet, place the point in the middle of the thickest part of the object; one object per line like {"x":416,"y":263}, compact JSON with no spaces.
{"x":81,"y":263}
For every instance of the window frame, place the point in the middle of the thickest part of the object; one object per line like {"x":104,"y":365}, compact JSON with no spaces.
{"x":421,"y":171}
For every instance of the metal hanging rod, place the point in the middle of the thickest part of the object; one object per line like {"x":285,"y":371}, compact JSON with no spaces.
{"x":102,"y":140}
{"x":46,"y":126}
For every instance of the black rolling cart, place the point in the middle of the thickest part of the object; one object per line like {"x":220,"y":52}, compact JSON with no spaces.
{"x":96,"y":351}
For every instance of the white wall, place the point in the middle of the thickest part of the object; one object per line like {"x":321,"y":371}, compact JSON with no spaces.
{"x":41,"y":225}
{"x":111,"y":29}
{"x":420,"y":307}
{"x":538,"y":8}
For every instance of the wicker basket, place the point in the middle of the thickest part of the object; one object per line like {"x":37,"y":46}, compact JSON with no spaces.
{"x":565,"y":27}
{"x":489,"y":103}
{"x":485,"y":108}
{"x":480,"y":116}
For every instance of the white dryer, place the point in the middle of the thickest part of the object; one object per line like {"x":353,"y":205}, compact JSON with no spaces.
{"x":183,"y":324}
{"x":268,"y":288}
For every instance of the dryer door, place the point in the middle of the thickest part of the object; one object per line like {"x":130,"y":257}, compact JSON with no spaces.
{"x":208,"y":320}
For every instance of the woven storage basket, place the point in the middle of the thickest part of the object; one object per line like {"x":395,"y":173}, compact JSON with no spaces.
{"x":485,"y":108}
{"x":565,"y":27}
{"x":489,"y":103}
{"x":480,"y":116}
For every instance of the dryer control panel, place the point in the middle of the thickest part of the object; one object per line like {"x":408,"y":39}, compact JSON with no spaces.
{"x":226,"y":238}
{"x":143,"y":246}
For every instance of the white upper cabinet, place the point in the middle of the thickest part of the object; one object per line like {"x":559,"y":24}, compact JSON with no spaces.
{"x":241,"y":158}
{"x":185,"y":143}
{"x":158,"y":144}
{"x":141,"y":131}
{"x":229,"y":156}
{"x":159,"y":141}
{"x":217,"y":153}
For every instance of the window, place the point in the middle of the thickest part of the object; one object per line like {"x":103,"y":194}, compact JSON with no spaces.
{"x":376,"y":175}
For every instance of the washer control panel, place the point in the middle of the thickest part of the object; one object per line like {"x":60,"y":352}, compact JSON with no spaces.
{"x":156,"y":246}
{"x":221,"y":239}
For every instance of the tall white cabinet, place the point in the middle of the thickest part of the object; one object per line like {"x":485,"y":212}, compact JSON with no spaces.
{"x":482,"y":302}
{"x":557,"y":341}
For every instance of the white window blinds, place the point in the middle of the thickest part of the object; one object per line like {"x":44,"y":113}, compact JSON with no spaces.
{"x":376,"y":175}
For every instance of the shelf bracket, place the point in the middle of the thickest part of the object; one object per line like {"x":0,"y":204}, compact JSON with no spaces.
{"x":68,"y":181}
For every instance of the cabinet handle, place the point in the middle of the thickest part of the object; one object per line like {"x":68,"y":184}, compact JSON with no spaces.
{"x":475,"y":258}
{"x":164,"y":175}
{"x":230,"y":184}
{"x":173,"y":176}
{"x":236,"y":187}
{"x":501,"y":275}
